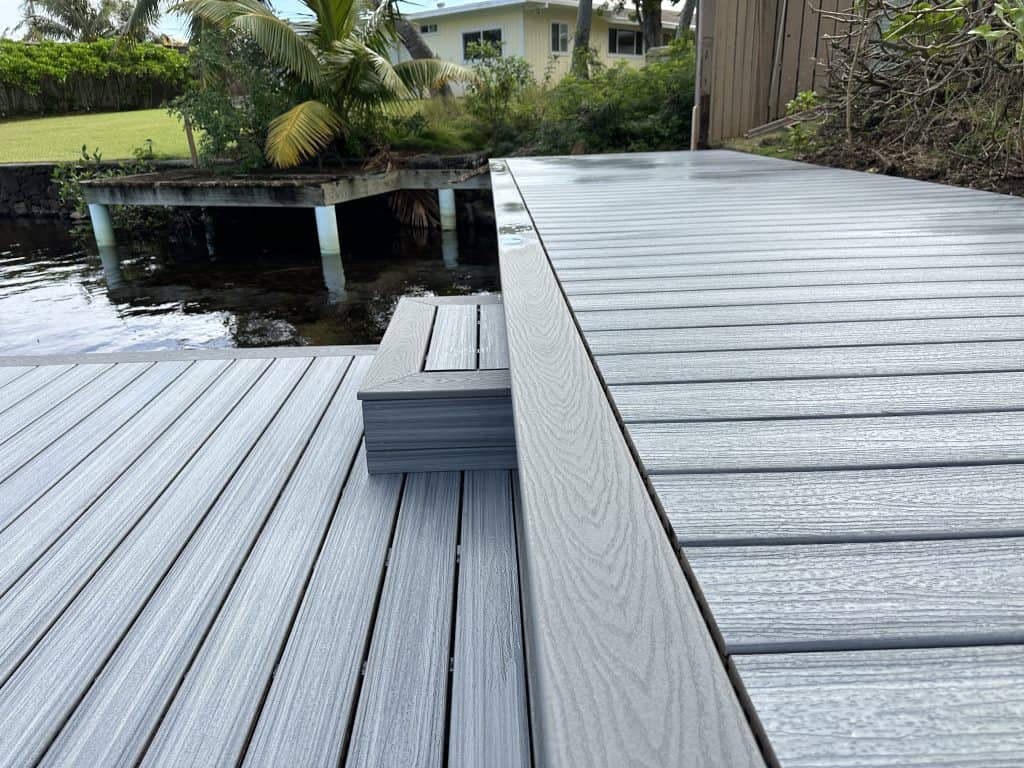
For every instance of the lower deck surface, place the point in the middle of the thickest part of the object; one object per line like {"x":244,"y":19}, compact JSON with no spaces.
{"x":821,"y":373}
{"x":196,"y":569}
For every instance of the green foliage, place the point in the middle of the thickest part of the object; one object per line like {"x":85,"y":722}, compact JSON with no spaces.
{"x":341,"y":61}
{"x":436,"y":125}
{"x":927,"y":24}
{"x":622,"y":108}
{"x":68,"y":178}
{"x":234,"y":94}
{"x":498,"y":92}
{"x":800,"y":136}
{"x":74,"y":77}
{"x":1009,"y":27}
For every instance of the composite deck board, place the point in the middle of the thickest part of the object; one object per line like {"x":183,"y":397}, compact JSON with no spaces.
{"x":865,"y":595}
{"x":49,"y":516}
{"x":844,"y":505}
{"x":406,"y":341}
{"x":806,"y":269}
{"x":40,"y":595}
{"x":632,"y":284}
{"x":34,"y":452}
{"x":489,"y":712}
{"x":311,"y":703}
{"x":622,"y":667}
{"x":453,"y":343}
{"x":493,"y":341}
{"x":866,"y":333}
{"x":135,"y":589}
{"x":239,"y":654}
{"x":9,"y":373}
{"x":68,"y":416}
{"x":943,"y":707}
{"x":813,"y":363}
{"x":30,"y":408}
{"x":831,"y":443}
{"x":867,"y":396}
{"x":400,"y":718}
{"x":24,"y":386}
{"x":810,"y":312}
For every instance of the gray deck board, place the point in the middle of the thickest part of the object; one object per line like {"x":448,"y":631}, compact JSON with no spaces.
{"x":47,"y":684}
{"x":599,"y":575}
{"x":490,"y":725}
{"x":453,"y":342}
{"x":241,"y":650}
{"x":493,"y":340}
{"x":19,"y":416}
{"x":814,"y":363}
{"x":311,"y":703}
{"x":23,"y":386}
{"x":632,"y":284}
{"x":831,"y":443}
{"x":865,"y":595}
{"x":11,"y":373}
{"x":824,"y":312}
{"x":763,"y":298}
{"x":942,"y":707}
{"x":93,"y":421}
{"x":405,"y":344}
{"x":401,"y":717}
{"x":867,"y":396}
{"x":49,"y":516}
{"x":884,"y":504}
{"x":864,"y":333}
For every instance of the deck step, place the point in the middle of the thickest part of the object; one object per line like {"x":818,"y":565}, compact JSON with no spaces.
{"x":437,"y":397}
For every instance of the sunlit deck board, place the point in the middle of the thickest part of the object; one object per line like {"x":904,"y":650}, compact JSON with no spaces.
{"x":811,"y":397}
{"x":175,"y":610}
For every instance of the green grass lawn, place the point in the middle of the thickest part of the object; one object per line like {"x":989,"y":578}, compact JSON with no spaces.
{"x":116,"y":134}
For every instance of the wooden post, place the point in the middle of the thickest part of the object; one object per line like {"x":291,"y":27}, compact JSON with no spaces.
{"x":327,"y":229}
{"x":102,"y":226}
{"x":446,"y":203}
{"x":705,"y":71}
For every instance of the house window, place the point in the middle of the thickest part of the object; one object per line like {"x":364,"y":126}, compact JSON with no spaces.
{"x":492,"y":36}
{"x":559,"y":38}
{"x":625,"y":42}
{"x":428,"y":29}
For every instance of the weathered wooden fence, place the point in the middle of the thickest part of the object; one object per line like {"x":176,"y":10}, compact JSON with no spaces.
{"x":756,"y":55}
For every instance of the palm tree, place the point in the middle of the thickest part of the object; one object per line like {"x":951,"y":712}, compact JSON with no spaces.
{"x":341,"y":57}
{"x":72,"y":20}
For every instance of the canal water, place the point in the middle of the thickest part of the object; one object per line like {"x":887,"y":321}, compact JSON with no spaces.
{"x":264,"y":285}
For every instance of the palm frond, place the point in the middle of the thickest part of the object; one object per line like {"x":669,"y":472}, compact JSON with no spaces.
{"x":144,"y":14}
{"x":427,"y":74}
{"x":301,"y":132}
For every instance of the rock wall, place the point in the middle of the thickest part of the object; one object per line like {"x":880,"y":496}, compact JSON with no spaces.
{"x":26,"y":189}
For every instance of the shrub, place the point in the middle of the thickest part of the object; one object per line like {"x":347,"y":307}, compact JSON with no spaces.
{"x":622,"y":108}
{"x":234,"y":94}
{"x":498,"y":94}
{"x":57,"y":78}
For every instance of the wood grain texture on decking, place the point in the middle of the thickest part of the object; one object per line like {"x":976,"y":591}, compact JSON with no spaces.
{"x":948,"y":707}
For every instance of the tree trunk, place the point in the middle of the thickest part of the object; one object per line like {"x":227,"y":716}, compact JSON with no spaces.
{"x":581,"y":41}
{"x":417,"y":48}
{"x":650,"y":22}
{"x":686,"y":17}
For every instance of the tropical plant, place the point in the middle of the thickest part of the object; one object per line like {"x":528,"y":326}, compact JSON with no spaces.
{"x":75,"y":20}
{"x":340,"y":57}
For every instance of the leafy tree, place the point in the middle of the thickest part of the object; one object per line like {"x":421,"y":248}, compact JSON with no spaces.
{"x":76,"y":20}
{"x":340,"y":57}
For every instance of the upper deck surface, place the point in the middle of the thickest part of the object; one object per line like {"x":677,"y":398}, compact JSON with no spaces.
{"x":821,"y":374}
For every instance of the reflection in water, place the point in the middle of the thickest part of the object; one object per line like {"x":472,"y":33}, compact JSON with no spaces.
{"x":450,"y":248}
{"x":267,"y":285}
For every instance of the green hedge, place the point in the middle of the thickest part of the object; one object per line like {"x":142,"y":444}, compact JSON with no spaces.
{"x":58,"y":78}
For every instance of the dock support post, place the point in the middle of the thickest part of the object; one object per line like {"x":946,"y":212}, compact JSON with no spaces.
{"x":450,"y":249}
{"x":111,"y":262}
{"x":327,"y":229}
{"x":446,"y":202}
{"x":334,"y":277}
{"x":102,"y":226}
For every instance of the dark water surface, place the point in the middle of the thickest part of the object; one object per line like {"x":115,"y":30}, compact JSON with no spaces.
{"x":265,"y":285}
